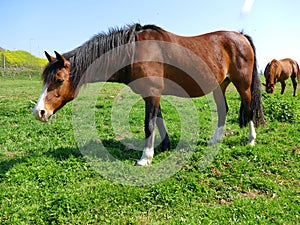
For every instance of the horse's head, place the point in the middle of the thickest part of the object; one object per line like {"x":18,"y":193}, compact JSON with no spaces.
{"x":269,"y":74}
{"x":270,"y":88}
{"x":58,"y":89}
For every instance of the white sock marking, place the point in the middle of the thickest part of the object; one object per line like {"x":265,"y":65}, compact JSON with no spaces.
{"x":148,"y":154}
{"x":252,"y":133}
{"x":218,"y":136}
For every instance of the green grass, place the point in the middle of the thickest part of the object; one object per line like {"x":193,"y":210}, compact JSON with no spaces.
{"x":44,"y":179}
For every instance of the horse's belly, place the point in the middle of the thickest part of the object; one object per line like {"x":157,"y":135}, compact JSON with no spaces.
{"x":179,"y":83}
{"x":182,"y":90}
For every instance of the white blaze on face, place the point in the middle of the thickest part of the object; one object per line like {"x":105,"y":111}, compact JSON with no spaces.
{"x":39,"y":110}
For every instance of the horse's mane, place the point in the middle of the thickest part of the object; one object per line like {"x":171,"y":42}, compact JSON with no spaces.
{"x":274,"y":67}
{"x":271,"y":70}
{"x":83,"y":56}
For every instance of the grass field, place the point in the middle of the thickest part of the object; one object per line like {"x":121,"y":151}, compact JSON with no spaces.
{"x":44,"y":178}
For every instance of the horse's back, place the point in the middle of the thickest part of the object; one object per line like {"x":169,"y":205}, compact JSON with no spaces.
{"x":223,"y":53}
{"x":218,"y":47}
{"x":287,"y":68}
{"x":214,"y":55}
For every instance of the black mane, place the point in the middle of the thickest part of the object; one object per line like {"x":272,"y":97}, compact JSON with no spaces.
{"x":151,"y":27}
{"x":83,"y":56}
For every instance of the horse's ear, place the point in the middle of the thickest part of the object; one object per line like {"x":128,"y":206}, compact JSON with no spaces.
{"x":49,"y":57}
{"x":62,"y":60}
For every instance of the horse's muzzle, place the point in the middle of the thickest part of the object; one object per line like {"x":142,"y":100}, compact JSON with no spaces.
{"x":42,"y":114}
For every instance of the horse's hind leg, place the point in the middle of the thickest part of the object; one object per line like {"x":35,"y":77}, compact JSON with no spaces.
{"x":283,"y":85}
{"x":246,"y":114}
{"x":293,"y":77}
{"x":165,"y":145}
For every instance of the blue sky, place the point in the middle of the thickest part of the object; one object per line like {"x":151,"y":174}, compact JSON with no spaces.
{"x":62,"y":25}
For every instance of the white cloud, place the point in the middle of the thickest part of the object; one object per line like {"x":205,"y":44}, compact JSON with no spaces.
{"x":247,"y":6}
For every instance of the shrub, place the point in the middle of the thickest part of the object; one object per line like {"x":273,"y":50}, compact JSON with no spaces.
{"x":22,"y":59}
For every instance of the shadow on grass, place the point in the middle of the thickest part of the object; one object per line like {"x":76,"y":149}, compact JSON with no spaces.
{"x":124,"y":149}
{"x":63,"y":153}
{"x":114,"y":150}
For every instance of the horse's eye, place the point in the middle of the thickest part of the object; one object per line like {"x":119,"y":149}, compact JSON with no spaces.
{"x":59,"y":81}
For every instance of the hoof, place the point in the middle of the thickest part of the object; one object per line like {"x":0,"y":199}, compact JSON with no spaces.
{"x":218,"y":136}
{"x":214,"y":141}
{"x":165,"y":147}
{"x":144,"y":162}
{"x":146,"y":158}
{"x":251,"y":143}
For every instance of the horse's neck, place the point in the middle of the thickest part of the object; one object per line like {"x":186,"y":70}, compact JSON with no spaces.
{"x":99,"y":72}
{"x":275,"y":72}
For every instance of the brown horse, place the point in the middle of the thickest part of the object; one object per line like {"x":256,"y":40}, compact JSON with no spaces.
{"x":280,"y":71}
{"x":158,"y":62}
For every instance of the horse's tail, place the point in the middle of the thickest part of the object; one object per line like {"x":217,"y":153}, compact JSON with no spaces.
{"x":298,"y":74}
{"x":256,"y":110}
{"x":297,"y":70}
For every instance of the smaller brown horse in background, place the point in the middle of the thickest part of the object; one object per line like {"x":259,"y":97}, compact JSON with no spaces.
{"x":279,"y":71}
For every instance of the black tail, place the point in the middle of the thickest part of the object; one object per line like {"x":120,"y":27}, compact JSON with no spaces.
{"x":298,"y":74}
{"x":296,"y":70}
{"x":256,"y":112}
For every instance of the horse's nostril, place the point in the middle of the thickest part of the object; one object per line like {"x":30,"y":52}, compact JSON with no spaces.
{"x":43,"y":112}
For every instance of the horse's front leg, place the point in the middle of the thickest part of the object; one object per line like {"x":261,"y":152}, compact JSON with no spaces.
{"x":165,"y":145}
{"x":282,"y":87}
{"x":222,"y":109}
{"x":152,"y":109}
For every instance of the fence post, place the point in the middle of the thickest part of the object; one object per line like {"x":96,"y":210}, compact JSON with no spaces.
{"x":3,"y":61}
